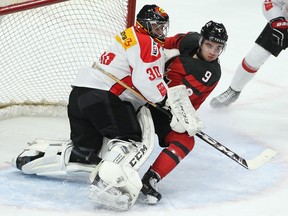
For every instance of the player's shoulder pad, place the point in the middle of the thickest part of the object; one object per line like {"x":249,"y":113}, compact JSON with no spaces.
{"x":127,"y":38}
{"x":189,"y":42}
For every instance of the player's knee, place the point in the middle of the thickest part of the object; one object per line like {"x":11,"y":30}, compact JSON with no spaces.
{"x":256,"y":57}
{"x":179,"y":144}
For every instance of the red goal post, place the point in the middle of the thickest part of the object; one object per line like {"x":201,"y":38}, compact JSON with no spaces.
{"x":44,"y":42}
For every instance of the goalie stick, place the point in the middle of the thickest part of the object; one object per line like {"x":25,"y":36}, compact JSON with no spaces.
{"x":252,"y":164}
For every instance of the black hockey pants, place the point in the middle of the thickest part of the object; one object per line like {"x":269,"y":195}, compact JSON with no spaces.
{"x":95,"y":113}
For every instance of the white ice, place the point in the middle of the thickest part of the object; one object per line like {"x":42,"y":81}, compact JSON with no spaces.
{"x":206,"y":183}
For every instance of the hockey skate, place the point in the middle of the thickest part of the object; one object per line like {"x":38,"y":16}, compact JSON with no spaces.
{"x":149,"y":189}
{"x":225,"y":99}
{"x":109,"y":196}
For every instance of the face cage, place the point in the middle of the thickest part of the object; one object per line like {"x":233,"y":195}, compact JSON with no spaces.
{"x":158,"y":29}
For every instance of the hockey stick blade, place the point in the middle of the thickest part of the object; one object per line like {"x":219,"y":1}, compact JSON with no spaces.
{"x":261,"y":159}
{"x":252,"y":164}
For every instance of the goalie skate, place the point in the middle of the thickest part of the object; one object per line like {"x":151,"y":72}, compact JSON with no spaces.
{"x":225,"y":99}
{"x":114,"y":186}
{"x":108,"y":195}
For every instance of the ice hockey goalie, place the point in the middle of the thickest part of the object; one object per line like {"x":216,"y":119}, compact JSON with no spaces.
{"x":115,"y":182}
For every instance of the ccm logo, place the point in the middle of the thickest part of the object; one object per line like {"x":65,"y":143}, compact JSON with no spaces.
{"x":138,"y":156}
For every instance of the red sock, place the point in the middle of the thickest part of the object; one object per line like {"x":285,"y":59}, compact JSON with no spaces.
{"x":179,"y":145}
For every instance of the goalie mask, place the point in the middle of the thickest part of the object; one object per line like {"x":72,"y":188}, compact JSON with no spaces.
{"x":153,"y":20}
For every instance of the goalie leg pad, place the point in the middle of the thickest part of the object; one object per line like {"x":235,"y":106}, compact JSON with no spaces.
{"x":117,"y":177}
{"x":55,"y":158}
{"x":114,"y":185}
{"x":49,"y":158}
{"x":133,"y":153}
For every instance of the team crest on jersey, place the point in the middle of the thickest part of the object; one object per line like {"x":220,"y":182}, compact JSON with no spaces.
{"x":155,"y":49}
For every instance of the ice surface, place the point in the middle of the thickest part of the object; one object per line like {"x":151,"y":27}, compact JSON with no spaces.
{"x":207,"y":182}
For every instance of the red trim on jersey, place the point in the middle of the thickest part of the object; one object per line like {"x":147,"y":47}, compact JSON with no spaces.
{"x":175,"y":73}
{"x":200,"y":91}
{"x":149,"y":52}
{"x":247,"y":67}
{"x":118,"y":89}
{"x":268,"y":5}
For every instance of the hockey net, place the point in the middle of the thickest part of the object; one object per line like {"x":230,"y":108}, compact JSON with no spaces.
{"x":43,"y":44}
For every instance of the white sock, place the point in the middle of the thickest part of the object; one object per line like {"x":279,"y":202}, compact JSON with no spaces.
{"x":249,"y":67}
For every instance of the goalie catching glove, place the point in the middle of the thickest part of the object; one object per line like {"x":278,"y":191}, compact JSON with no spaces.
{"x":184,"y":116}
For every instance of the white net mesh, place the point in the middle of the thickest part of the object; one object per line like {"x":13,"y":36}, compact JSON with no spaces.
{"x":42,"y":48}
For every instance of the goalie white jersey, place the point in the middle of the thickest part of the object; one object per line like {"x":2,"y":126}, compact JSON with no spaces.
{"x":135,"y":62}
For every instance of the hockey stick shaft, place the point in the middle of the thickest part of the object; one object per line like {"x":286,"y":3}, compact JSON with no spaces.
{"x":222,"y":149}
{"x":258,"y":161}
{"x":96,"y":66}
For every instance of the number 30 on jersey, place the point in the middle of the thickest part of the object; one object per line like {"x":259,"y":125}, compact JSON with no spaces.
{"x":153,"y":73}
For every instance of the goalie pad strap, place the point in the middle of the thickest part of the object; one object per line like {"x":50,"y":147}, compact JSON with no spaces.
{"x":94,"y":158}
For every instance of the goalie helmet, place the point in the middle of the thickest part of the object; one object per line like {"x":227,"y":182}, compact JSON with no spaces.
{"x":215,"y":32}
{"x":153,"y":20}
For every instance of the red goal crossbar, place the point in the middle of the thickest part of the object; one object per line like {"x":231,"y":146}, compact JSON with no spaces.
{"x":30,"y":4}
{"x":26,"y":5}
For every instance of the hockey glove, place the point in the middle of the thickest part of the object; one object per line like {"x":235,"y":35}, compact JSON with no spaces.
{"x":279,"y":28}
{"x":184,"y":117}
